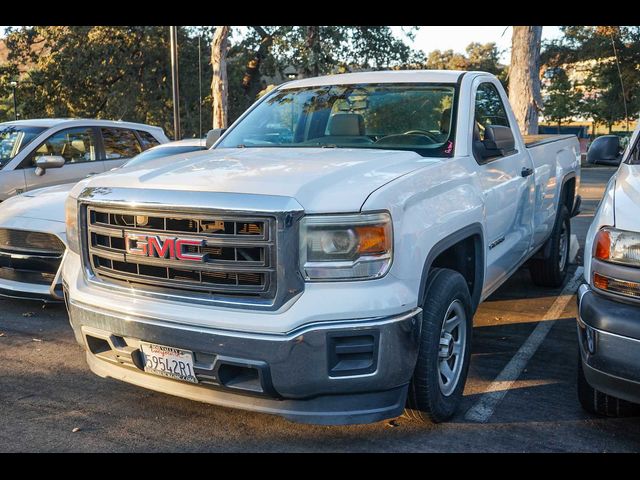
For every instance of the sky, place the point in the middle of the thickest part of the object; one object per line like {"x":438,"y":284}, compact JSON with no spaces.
{"x":457,"y":38}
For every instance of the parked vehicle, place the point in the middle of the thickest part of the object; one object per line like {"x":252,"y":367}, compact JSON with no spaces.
{"x":324,"y":261}
{"x":44,"y":152}
{"x":609,"y":300}
{"x":32,"y":232}
{"x":605,"y":150}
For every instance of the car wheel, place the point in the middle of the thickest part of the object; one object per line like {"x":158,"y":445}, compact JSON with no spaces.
{"x":552,"y":271}
{"x":445,"y":348}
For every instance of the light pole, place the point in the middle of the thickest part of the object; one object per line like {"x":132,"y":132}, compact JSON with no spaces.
{"x":14,"y":84}
{"x":173,"y":33}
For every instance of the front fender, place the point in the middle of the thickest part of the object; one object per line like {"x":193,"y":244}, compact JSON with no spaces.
{"x":429,"y":208}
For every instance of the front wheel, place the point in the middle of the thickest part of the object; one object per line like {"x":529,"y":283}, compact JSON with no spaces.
{"x":438,"y":381}
{"x":551,"y":272}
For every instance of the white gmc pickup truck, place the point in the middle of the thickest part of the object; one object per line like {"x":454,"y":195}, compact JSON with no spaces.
{"x":324,"y":260}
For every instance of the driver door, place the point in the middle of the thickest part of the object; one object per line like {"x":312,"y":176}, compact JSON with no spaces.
{"x":77,"y":146}
{"x":507,"y":187}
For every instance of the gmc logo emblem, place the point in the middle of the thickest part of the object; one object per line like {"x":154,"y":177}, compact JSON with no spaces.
{"x":162,"y":247}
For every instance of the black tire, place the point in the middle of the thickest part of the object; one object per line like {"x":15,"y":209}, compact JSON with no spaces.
{"x":599,"y":403}
{"x":547,"y":272}
{"x":426,"y":401}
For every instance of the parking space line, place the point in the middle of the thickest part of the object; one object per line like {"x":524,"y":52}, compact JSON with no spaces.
{"x":495,"y":392}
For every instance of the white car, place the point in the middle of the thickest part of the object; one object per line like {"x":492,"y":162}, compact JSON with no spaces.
{"x":43,"y":152}
{"x":32,"y":232}
{"x":609,"y":300}
{"x":324,"y":261}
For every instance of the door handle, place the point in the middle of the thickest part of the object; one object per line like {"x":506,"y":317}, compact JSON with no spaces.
{"x":91,"y":174}
{"x":526,"y":171}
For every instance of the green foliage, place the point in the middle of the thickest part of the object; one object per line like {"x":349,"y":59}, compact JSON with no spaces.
{"x":562,"y":101}
{"x":484,"y":57}
{"x":341,"y":48}
{"x":114,"y":72}
{"x":604,"y":97}
{"x":325,"y":50}
{"x":123,"y":72}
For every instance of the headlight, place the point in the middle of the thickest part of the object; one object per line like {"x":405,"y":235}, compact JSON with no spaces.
{"x":617,"y":246}
{"x":71,"y":221}
{"x":345,"y":247}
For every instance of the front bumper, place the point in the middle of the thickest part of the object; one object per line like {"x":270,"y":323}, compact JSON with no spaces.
{"x":31,"y":276}
{"x":609,"y":339}
{"x":346,"y":372}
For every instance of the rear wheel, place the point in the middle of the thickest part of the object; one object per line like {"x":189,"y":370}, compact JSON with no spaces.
{"x":551,"y":272}
{"x":599,"y":403}
{"x":445,"y":348}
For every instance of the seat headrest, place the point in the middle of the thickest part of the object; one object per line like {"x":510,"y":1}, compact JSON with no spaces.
{"x":343,"y":124}
{"x":78,"y":145}
{"x":445,"y":120}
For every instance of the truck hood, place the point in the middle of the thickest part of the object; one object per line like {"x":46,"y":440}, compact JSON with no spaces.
{"x":627,"y":198}
{"x":41,"y":204}
{"x":320,"y":179}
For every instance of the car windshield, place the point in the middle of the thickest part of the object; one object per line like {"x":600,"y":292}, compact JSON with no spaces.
{"x":13,"y":138}
{"x":158,"y":152}
{"x":387,"y":116}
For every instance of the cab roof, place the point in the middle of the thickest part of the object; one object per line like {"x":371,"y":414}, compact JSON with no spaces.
{"x":386,"y":76}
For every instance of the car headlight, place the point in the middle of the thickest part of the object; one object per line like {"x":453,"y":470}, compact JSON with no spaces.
{"x":71,"y":221}
{"x":345,"y":247}
{"x":617,"y":246}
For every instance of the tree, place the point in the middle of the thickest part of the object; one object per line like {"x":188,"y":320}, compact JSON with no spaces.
{"x":524,"y":77}
{"x":266,"y":51}
{"x":562,"y":101}
{"x":484,"y":57}
{"x":608,"y":57}
{"x":447,"y":60}
{"x":115,"y":72}
{"x":251,"y":78}
{"x":219,"y":84}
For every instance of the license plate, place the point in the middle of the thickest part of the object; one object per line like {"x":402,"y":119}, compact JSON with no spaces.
{"x":168,"y":362}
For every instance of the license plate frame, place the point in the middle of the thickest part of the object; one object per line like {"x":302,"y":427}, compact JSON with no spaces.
{"x":169,"y":362}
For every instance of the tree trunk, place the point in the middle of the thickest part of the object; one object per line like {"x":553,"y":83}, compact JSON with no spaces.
{"x":312,"y":43}
{"x":219,"y":83}
{"x":251,"y":79}
{"x":524,"y":77}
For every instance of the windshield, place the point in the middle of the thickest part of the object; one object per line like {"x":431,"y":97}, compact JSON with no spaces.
{"x":388,"y":116}
{"x":161,"y":152}
{"x":13,"y":138}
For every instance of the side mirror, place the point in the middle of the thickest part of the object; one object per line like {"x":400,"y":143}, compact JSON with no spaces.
{"x":605,"y":150}
{"x":213,"y":136}
{"x":498,"y":140}
{"x":48,"y":161}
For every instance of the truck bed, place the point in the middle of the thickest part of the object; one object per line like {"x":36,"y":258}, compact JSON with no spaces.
{"x":535,"y":140}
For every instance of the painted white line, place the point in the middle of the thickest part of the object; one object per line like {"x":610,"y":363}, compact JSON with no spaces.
{"x":495,"y":392}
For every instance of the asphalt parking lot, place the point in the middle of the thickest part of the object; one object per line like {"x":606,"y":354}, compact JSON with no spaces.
{"x":520,"y":395}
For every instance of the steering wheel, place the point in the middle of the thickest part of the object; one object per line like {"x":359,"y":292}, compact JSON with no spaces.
{"x":427,"y":134}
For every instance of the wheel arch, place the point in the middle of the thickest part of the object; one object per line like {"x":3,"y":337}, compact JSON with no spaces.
{"x":447,"y":253}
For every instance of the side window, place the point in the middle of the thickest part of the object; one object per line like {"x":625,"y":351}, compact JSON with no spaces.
{"x":147,"y":140}
{"x":489,"y":110}
{"x":120,"y":143}
{"x":76,"y":145}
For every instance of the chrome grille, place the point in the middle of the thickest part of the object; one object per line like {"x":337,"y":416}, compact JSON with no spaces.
{"x":239,"y":252}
